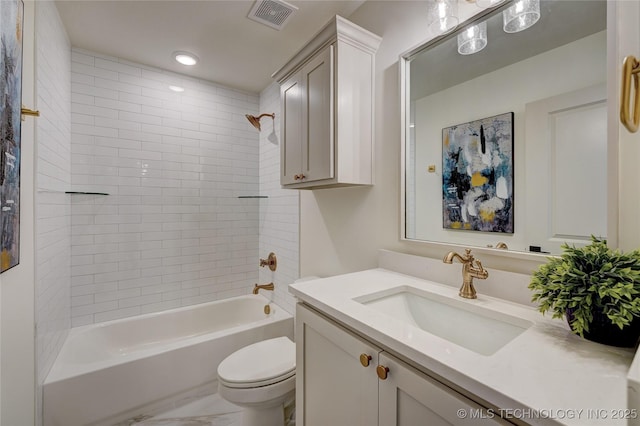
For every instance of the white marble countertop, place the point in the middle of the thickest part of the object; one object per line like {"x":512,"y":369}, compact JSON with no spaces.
{"x":545,"y":376}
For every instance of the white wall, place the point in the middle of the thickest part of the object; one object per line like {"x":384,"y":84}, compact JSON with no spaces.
{"x":53,"y":178}
{"x":341,"y":229}
{"x":17,"y":363}
{"x":172,"y":231}
{"x":279,"y":214}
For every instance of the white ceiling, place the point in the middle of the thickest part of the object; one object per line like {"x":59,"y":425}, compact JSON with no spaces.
{"x":233,"y":50}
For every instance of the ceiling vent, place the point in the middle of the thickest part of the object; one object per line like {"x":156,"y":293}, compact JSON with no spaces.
{"x":273,"y":13}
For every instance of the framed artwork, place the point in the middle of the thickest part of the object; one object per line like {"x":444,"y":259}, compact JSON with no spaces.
{"x":11,"y":21}
{"x":477,"y":175}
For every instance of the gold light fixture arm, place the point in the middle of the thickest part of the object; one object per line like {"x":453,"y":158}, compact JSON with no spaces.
{"x":630,"y":69}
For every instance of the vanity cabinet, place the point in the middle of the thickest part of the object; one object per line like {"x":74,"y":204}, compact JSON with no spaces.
{"x":342,"y":379}
{"x":333,"y":385}
{"x":326,"y":94}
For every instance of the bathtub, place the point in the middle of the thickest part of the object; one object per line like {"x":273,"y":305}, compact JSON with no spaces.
{"x":112,"y":372}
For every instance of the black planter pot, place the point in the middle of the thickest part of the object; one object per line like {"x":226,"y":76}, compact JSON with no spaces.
{"x":601,"y":330}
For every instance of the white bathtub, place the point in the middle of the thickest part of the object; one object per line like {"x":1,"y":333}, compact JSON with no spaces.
{"x":118,"y":370}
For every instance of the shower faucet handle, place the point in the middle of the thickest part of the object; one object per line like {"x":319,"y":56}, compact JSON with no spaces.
{"x":271,"y":261}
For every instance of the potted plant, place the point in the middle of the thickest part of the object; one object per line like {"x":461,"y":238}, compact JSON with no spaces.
{"x":597,"y":288}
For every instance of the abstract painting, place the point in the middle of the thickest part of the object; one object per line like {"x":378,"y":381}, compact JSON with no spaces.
{"x":477,"y":175}
{"x":11,"y":12}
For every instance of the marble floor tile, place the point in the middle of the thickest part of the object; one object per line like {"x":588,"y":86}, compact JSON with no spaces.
{"x":211,"y":410}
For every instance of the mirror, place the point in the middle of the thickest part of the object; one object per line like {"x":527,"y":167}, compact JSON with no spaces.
{"x":509,"y":145}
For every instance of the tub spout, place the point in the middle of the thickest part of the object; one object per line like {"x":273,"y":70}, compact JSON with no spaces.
{"x":257,"y":287}
{"x":471,"y":268}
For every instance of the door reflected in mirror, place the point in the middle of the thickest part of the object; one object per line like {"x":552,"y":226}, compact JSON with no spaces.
{"x":552,"y":78}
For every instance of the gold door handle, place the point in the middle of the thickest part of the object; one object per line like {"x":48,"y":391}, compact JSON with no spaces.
{"x":26,"y":111}
{"x":365,"y":359}
{"x":630,"y":68}
{"x":382,"y":372}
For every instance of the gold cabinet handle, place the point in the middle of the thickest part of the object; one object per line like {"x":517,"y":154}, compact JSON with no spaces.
{"x":382,"y":372}
{"x":299,"y":177}
{"x":365,"y":359}
{"x":630,"y":68}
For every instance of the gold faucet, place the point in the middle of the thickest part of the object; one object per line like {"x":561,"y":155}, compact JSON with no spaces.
{"x":471,"y":268}
{"x":257,"y":287}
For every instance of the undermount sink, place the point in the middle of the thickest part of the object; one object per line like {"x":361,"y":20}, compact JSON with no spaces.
{"x":462,"y":322}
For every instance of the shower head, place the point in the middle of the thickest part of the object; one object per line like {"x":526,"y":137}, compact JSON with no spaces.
{"x":256,"y":120}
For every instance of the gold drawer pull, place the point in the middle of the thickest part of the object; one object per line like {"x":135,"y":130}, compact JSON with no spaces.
{"x":364,"y":360}
{"x":382,"y":372}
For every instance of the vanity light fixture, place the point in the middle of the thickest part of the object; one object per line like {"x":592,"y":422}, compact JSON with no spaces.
{"x":176,"y":88}
{"x":442,"y":16}
{"x":520,"y":16}
{"x":185,"y":58}
{"x":473,"y":39}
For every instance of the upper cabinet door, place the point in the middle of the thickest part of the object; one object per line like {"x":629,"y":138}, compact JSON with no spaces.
{"x":291,"y":149}
{"x":318,"y":134}
{"x":327,"y":139}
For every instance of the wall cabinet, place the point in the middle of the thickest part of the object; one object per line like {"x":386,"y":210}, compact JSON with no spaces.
{"x":326,"y":93}
{"x":342,"y":379}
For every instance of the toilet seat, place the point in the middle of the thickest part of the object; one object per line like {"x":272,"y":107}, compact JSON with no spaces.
{"x":260,"y":364}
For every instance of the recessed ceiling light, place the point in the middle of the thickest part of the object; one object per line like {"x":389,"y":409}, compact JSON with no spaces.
{"x":186,"y":58}
{"x":176,"y":88}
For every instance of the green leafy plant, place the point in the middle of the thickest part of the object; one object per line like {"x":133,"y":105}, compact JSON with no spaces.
{"x":588,"y":280}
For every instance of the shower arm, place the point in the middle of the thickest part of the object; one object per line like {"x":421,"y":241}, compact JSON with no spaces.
{"x":255,"y":121}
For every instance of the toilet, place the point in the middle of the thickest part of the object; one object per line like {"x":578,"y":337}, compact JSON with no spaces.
{"x":260,"y":378}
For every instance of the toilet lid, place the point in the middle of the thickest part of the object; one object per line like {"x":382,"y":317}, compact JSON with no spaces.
{"x":259,"y":364}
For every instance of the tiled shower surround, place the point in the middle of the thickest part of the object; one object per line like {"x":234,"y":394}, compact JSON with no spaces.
{"x":53,"y":178}
{"x":279,"y":222}
{"x":173,"y":229}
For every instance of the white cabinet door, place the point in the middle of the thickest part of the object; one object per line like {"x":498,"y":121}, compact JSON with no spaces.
{"x":318,"y":134}
{"x":307,"y":151}
{"x":291,"y":147}
{"x":332,"y":386}
{"x":409,"y":398}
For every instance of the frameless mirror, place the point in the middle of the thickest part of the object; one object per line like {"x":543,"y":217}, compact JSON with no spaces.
{"x":509,"y":145}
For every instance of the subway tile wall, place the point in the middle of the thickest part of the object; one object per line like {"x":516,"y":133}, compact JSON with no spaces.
{"x":53,"y":178}
{"x":279,"y":214}
{"x":172,"y":231}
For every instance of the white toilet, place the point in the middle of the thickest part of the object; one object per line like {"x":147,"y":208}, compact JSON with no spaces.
{"x":260,"y":378}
